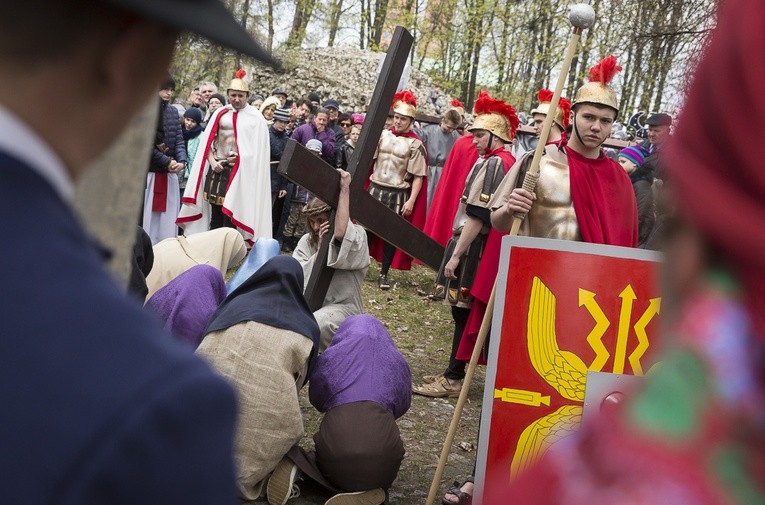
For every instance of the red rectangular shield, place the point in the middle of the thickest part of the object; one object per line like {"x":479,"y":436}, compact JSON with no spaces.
{"x":561,"y":309}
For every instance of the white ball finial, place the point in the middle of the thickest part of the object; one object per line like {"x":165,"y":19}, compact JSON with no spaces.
{"x":581,"y":16}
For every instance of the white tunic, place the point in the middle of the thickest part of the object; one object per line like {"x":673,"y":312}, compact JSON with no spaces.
{"x":343,"y":299}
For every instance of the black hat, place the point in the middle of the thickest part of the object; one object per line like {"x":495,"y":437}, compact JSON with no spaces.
{"x":168,"y":83}
{"x":279,"y":92}
{"x":193,"y":113}
{"x":331,"y":103}
{"x":221,"y":98}
{"x":659,"y":119}
{"x":314,"y":97}
{"x":208,"y":18}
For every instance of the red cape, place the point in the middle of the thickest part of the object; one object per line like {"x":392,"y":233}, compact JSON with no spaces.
{"x":484,"y":280}
{"x":446,"y":198}
{"x":403,"y":261}
{"x":606,"y":211}
{"x":604,"y":200}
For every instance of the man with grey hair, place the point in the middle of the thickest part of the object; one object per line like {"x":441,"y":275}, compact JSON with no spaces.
{"x":98,"y":404}
{"x":207,"y":89}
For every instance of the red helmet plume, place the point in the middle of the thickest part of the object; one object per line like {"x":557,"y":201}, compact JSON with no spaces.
{"x":240,"y":73}
{"x":605,"y":71}
{"x":405,"y":96}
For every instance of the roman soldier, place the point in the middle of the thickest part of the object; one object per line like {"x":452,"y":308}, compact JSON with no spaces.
{"x":398,"y":180}
{"x":229,"y":183}
{"x":494,"y":127}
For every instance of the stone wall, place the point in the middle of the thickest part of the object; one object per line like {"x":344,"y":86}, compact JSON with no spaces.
{"x":345,"y":74}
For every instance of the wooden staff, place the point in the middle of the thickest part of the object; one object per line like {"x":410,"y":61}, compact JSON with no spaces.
{"x":581,"y":17}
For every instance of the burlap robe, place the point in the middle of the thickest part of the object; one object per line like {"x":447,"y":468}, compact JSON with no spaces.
{"x":262,"y":363}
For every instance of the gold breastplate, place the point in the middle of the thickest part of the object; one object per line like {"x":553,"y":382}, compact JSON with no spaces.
{"x":552,"y":215}
{"x":393,"y":155}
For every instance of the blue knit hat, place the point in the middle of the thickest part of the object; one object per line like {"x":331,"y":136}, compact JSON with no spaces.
{"x":636,"y":154}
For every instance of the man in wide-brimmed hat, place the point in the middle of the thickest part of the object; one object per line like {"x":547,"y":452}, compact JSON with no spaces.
{"x":98,"y":404}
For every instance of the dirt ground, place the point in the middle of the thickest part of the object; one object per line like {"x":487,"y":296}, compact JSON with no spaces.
{"x":422,"y":331}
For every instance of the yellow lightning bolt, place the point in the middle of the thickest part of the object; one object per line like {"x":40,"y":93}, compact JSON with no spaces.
{"x":654,"y":307}
{"x":522,"y":397}
{"x":595,"y":338}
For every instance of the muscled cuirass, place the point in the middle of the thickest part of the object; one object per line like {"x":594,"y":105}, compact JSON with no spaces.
{"x":481,"y":183}
{"x":225,"y":142}
{"x":393,"y":155}
{"x":552,"y":215}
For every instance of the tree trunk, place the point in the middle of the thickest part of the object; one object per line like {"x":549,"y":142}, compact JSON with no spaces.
{"x":334,"y":20}
{"x":270,"y":21}
{"x":381,"y":12}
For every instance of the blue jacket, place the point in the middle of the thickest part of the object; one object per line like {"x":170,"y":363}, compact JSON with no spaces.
{"x":172,"y":135}
{"x":98,"y":405}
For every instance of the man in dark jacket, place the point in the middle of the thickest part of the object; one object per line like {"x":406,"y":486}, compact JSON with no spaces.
{"x":279,"y":136}
{"x":162,"y":197}
{"x":99,"y":405}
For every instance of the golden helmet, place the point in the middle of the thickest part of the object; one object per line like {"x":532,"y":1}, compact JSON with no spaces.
{"x":238,"y":84}
{"x":495,"y":116}
{"x":562,"y":112}
{"x":597,"y":91}
{"x":405,"y":103}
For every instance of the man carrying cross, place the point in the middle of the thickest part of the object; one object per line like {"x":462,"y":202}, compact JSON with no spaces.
{"x":348,"y":255}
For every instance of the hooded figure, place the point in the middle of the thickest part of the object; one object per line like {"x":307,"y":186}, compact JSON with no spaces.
{"x":362,"y":383}
{"x":263,"y":338}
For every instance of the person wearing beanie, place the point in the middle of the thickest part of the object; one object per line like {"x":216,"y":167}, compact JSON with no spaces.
{"x":268,"y":107}
{"x":168,"y":160}
{"x":314,"y":98}
{"x":192,"y":129}
{"x":229,"y":183}
{"x":569,"y":201}
{"x":278,"y":136}
{"x":398,"y":180}
{"x":215,"y":102}
{"x":314,"y":146}
{"x":632,"y":159}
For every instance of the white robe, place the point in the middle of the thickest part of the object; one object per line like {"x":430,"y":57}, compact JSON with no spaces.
{"x":161,"y":225}
{"x":343,"y":299}
{"x":248,"y":197}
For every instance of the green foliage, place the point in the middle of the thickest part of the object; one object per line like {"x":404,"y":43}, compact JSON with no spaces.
{"x":513,"y":47}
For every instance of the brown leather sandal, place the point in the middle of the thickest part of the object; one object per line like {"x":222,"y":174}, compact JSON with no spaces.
{"x":463,"y":498}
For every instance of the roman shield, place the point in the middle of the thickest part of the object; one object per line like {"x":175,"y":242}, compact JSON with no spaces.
{"x":562,"y":309}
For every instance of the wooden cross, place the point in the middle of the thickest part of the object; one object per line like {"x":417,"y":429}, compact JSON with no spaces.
{"x":302,"y":167}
